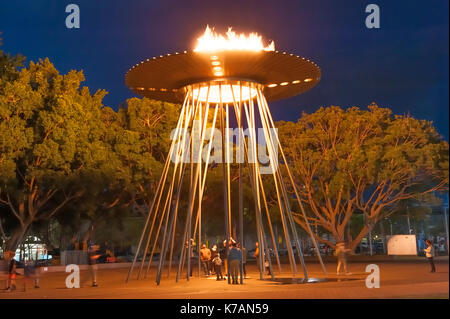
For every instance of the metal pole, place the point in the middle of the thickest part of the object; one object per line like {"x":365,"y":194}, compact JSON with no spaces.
{"x":238,"y":112}
{"x":192,"y":113}
{"x":273,"y":158}
{"x":183,"y":253}
{"x":409,"y":223}
{"x":446,"y":227}
{"x":256,"y":172}
{"x":370,"y":241}
{"x":161,"y":182}
{"x":282,"y":213}
{"x":308,"y":226}
{"x":193,"y":191}
{"x":186,"y":119}
{"x":241,"y":188}
{"x":225,"y":181}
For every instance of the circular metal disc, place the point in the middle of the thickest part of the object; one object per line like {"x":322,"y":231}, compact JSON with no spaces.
{"x":282,"y":75}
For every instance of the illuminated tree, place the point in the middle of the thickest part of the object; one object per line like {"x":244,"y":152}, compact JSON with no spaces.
{"x":348,"y":161}
{"x":51,"y":141}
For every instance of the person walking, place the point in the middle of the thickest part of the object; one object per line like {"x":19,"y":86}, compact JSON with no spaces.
{"x":234,"y":259}
{"x":429,"y":253}
{"x":341,"y":254}
{"x":11,"y":284}
{"x":93,"y":258}
{"x":30,"y":274}
{"x":205,"y":257}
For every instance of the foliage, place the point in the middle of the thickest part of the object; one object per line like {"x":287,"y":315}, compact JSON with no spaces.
{"x":52,"y":143}
{"x":368,"y":161}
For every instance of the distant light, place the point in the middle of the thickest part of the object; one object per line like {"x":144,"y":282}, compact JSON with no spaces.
{"x":215,"y":63}
{"x":296,"y":81}
{"x":272,"y":85}
{"x":308,"y":80}
{"x":217,"y":69}
{"x":284,"y":83}
{"x":214,"y":57}
{"x":224,"y":93}
{"x":218,"y":73}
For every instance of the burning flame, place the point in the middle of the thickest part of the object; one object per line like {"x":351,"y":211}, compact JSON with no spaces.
{"x":211,"y":42}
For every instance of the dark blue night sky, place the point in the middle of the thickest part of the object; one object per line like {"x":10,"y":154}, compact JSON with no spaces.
{"x":403,"y":65}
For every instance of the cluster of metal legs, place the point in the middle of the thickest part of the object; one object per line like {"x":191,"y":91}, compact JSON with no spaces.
{"x":197,"y":123}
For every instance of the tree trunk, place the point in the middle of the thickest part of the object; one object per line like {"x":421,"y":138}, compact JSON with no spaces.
{"x":383,"y":236}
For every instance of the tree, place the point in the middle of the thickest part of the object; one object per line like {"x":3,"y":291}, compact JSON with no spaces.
{"x":143,"y":146}
{"x":138,"y":137}
{"x":51,"y":144}
{"x":348,"y":161}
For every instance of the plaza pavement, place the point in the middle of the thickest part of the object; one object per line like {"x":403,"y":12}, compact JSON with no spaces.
{"x":398,"y":279}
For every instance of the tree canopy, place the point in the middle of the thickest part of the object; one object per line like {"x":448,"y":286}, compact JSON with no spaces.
{"x":62,"y":149}
{"x":361,"y":161}
{"x":53,"y":138}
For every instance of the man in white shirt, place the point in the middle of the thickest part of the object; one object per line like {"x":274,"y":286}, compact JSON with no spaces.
{"x":429,"y":253}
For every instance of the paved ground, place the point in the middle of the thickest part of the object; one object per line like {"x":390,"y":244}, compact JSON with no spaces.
{"x":399,"y":279}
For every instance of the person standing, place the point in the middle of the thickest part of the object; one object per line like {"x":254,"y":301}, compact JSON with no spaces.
{"x":93,"y":258}
{"x":37,"y":274}
{"x":267,"y":266}
{"x":205,"y":257}
{"x":429,"y":253}
{"x":256,"y":255}
{"x":341,"y":254}
{"x":225,"y":256}
{"x":191,"y":255}
{"x":244,"y":259}
{"x":217,"y":261}
{"x":225,"y":253}
{"x":214,"y":253}
{"x":234,"y":260}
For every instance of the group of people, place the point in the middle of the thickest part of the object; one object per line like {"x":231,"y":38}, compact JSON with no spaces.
{"x":213,"y":259}
{"x":31,"y":273}
{"x":342,"y":252}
